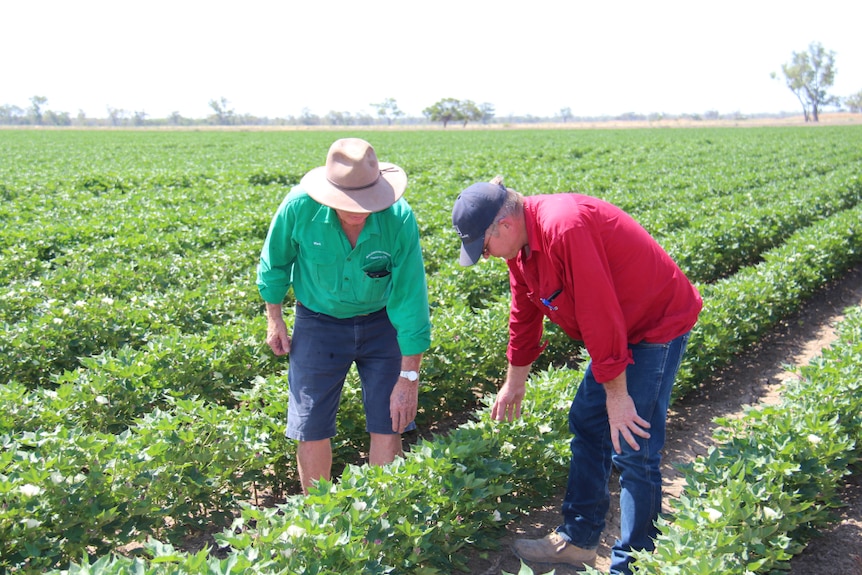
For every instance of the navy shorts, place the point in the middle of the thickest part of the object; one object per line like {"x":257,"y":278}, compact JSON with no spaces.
{"x":322,"y":350}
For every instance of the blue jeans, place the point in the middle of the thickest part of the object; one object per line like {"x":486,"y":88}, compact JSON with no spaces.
{"x":649,"y":381}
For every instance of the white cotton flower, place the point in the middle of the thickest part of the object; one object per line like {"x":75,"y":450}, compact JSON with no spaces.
{"x":101,"y":400}
{"x":108,"y":300}
{"x":770,"y":513}
{"x":507,"y":447}
{"x":544,"y":429}
{"x":30,"y":490}
{"x":295,"y":531}
{"x":815,"y":439}
{"x":497,"y":516}
{"x":713,"y":514}
{"x":57,"y":320}
{"x":31,"y":523}
{"x":360,"y":505}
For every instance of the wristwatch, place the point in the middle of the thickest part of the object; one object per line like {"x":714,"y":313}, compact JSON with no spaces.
{"x":410,"y":375}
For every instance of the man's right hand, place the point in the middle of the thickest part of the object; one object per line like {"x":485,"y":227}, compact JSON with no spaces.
{"x":276,"y":330}
{"x":508,"y":403}
{"x":277,"y":338}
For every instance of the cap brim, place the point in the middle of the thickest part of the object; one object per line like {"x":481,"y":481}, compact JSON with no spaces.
{"x":388,"y":189}
{"x":472,"y":251}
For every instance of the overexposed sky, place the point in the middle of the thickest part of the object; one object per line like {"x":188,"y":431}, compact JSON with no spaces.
{"x":278,"y":58}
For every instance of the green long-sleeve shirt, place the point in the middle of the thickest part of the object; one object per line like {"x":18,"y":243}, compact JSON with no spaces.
{"x":307,"y":249}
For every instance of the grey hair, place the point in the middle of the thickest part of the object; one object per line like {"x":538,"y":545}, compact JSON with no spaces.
{"x":514,"y":204}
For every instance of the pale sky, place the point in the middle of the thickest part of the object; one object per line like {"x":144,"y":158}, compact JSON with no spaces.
{"x":277,"y":58}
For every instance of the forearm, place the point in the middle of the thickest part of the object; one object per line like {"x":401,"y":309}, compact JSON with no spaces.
{"x":616,"y":387}
{"x":273,"y":311}
{"x":411,"y":362}
{"x":517,"y":375}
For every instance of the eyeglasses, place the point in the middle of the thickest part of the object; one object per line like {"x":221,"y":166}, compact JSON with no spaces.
{"x":491,"y":231}
{"x":485,"y":247}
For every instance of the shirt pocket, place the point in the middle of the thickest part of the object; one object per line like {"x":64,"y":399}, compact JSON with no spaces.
{"x":376,"y":277}
{"x":322,"y":266}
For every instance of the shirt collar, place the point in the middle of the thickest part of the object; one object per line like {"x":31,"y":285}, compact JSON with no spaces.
{"x":327,"y":215}
{"x":533,"y":240}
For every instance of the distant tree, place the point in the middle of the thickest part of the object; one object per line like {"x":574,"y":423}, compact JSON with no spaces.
{"x":306,"y":118}
{"x":36,"y":103}
{"x":454,"y":110}
{"x":138,"y":118}
{"x":11,"y":115}
{"x":364,"y":119}
{"x":566,"y":114}
{"x":808,"y":75}
{"x":854,"y":102}
{"x":334,"y":118}
{"x":446,"y":110}
{"x":223,"y":115}
{"x":52,"y":118}
{"x":175,"y":119}
{"x":488,"y":112}
{"x":115,"y":116}
{"x":470,"y":112}
{"x":388,"y":110}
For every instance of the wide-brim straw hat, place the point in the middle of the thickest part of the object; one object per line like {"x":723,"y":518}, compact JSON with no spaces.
{"x":353,"y":180}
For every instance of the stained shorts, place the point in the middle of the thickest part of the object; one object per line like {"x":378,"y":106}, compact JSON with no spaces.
{"x":322,"y":350}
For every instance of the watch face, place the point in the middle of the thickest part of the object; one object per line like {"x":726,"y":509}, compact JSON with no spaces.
{"x":410,"y":375}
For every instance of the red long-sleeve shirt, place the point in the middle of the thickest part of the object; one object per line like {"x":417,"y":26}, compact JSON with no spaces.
{"x":615,"y":284}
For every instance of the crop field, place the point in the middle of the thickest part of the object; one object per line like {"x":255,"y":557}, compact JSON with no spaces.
{"x":143,"y":412}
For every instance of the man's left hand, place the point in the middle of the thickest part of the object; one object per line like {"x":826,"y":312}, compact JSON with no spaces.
{"x":624,"y":420}
{"x":403,"y":403}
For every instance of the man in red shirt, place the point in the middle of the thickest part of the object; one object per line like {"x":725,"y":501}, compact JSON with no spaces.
{"x":592,"y":269}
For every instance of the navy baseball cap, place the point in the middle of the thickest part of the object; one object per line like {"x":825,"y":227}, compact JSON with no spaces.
{"x":472,"y":215}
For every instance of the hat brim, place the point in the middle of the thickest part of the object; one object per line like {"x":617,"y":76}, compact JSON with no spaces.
{"x":385,"y":192}
{"x":472,"y":251}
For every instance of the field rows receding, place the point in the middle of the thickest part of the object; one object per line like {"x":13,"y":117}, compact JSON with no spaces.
{"x":143,"y":402}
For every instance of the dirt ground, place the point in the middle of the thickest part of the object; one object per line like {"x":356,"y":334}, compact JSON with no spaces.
{"x":755,"y":377}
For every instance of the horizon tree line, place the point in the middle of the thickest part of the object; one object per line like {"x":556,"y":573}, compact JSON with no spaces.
{"x":809,"y":75}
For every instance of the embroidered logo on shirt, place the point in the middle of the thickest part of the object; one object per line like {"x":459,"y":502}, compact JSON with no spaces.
{"x":378,"y":255}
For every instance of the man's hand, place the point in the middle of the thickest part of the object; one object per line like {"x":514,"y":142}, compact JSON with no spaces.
{"x":276,"y":330}
{"x":507,"y":406}
{"x":403,"y":403}
{"x":623,"y":416}
{"x":508,"y":403}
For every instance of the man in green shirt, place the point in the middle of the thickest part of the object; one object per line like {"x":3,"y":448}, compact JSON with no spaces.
{"x":348,"y":244}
